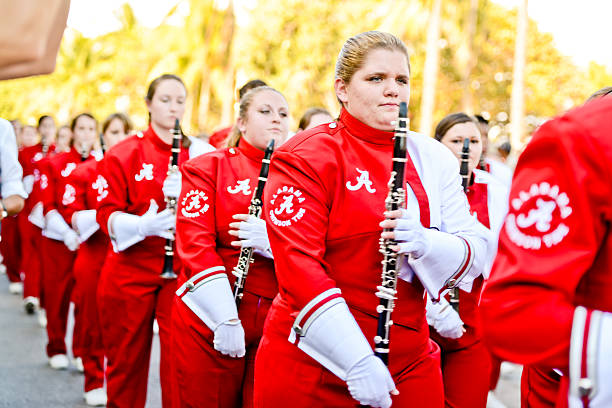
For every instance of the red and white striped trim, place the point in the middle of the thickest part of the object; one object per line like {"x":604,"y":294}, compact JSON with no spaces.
{"x":463,"y":269}
{"x":200,"y":279}
{"x":312,"y":310}
{"x":583,"y":353}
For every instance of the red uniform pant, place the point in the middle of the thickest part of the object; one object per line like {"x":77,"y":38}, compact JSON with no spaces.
{"x":58,"y":283}
{"x":130,"y":295}
{"x":88,"y":335}
{"x":11,"y":249}
{"x":31,"y":250}
{"x":229,"y":381}
{"x":539,"y":387}
{"x":287,"y":377}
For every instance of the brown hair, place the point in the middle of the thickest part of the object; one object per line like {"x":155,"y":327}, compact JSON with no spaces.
{"x":601,"y":93}
{"x":253,"y":83}
{"x":80,"y":115}
{"x":127,"y":124}
{"x":356,"y":49}
{"x":449,"y":121}
{"x":151,"y":93}
{"x":245,"y":102}
{"x":307,"y":116}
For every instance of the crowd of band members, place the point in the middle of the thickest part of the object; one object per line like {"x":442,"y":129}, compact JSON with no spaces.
{"x":94,"y":227}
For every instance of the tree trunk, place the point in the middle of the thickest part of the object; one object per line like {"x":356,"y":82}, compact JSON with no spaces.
{"x":467,"y":101}
{"x":227,"y":107}
{"x":517,"y":111}
{"x":430,"y":72}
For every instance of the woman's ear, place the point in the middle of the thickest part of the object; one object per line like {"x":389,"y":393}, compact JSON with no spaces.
{"x":341,"y":91}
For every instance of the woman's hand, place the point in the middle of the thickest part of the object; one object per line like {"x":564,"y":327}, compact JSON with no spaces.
{"x":252,"y":233}
{"x":407,"y":231}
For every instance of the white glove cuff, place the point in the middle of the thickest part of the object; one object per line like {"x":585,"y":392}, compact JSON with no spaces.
{"x":55,"y":226}
{"x":209,"y":295}
{"x":85,"y":224}
{"x":123,"y":229}
{"x":590,"y":357}
{"x":326,"y":330}
{"x":28,"y":183}
{"x":36,"y":216}
{"x":447,"y":262}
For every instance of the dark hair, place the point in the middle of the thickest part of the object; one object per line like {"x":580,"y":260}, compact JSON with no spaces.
{"x":601,"y":93}
{"x":151,"y":92}
{"x":253,"y":83}
{"x":235,"y":135}
{"x":307,"y":116}
{"x":449,"y":121}
{"x":127,"y":124}
{"x":43,"y":117}
{"x":505,"y":148}
{"x":481,"y":119}
{"x":76,"y":118}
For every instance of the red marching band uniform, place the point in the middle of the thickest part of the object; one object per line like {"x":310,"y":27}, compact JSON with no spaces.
{"x":57,"y":279}
{"x":547,"y":303}
{"x":130,"y":291}
{"x":87,"y":187}
{"x":215,"y":187}
{"x":323,"y":204}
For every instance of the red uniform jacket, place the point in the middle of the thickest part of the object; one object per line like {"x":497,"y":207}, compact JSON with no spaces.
{"x":54,"y":176}
{"x":216,"y":186}
{"x":135,"y":170}
{"x":555,"y":249}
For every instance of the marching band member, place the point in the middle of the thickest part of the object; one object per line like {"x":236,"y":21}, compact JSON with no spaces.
{"x":88,"y":188}
{"x":131,"y":292}
{"x":323,"y":206}
{"x":60,"y":241}
{"x":213,"y":342}
{"x":547,"y":303}
{"x":465,"y":360}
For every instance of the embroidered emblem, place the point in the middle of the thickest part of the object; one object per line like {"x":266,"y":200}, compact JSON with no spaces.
{"x":193,"y":204}
{"x":286,"y":210}
{"x":241,"y":186}
{"x":537,"y":217}
{"x":68,"y":169}
{"x":362,"y":181}
{"x":69,"y":195}
{"x":44,"y":181}
{"x":101,"y":185}
{"x":37,"y":157}
{"x":146,"y":173}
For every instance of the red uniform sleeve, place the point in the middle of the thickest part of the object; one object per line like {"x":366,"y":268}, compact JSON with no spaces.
{"x":296,"y":211}
{"x":48,"y":186}
{"x":113,"y":172}
{"x":549,"y":240}
{"x":196,"y":236}
{"x":77,"y":181}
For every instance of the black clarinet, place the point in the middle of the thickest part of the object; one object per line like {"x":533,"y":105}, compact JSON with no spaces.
{"x":465,"y":182}
{"x":177,"y":135}
{"x":102,"y":144}
{"x":394,"y":201}
{"x":241,"y":270}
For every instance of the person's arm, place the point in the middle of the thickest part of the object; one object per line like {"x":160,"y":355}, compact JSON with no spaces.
{"x":29,"y":44}
{"x":549,"y":240}
{"x":13,"y":191}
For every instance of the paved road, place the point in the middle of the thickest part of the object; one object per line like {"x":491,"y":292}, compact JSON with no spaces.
{"x":27,"y":381}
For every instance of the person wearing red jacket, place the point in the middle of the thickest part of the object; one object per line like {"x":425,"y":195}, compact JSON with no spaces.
{"x":465,"y":361}
{"x":60,"y":241}
{"x":213,"y":342}
{"x":89,"y":188}
{"x":547,"y":303}
{"x":131,"y":292}
{"x":324,"y":209}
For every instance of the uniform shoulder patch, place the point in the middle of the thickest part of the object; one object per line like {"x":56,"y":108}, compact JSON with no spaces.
{"x":286,"y":206}
{"x":193,"y":204}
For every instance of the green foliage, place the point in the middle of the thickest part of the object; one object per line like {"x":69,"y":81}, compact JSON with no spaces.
{"x":293,"y":48}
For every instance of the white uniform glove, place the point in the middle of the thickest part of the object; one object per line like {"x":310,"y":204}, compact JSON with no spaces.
{"x":444,"y":319}
{"x":411,"y":235}
{"x":71,"y":239}
{"x":153,"y":223}
{"x":252,"y":233}
{"x":172,"y":185}
{"x":370,"y":382}
{"x":229,"y":339}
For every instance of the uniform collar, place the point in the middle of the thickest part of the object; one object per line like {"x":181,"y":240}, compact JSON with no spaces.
{"x":156,"y":140}
{"x":362,"y":131}
{"x":249,"y":151}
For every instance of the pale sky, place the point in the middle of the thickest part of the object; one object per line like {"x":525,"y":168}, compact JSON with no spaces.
{"x":581,"y":29}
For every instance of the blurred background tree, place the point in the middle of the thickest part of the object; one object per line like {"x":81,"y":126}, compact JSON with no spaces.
{"x":216,"y":46}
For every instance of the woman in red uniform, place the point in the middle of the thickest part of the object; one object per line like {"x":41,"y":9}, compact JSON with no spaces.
{"x":465,"y":361}
{"x":131,"y":293}
{"x":214,"y":343}
{"x":59,"y":241}
{"x":89,"y":187}
{"x":324,"y":210}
